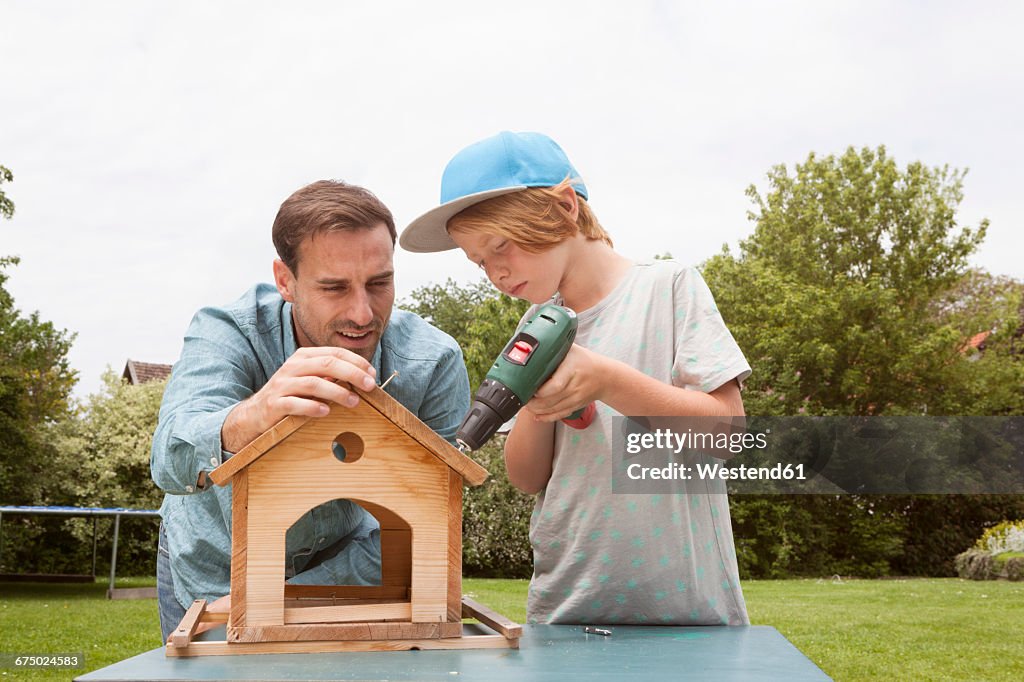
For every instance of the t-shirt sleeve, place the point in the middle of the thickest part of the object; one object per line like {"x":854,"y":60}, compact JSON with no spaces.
{"x":706,"y":354}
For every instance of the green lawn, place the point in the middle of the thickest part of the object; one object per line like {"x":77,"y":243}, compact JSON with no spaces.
{"x":936,"y":629}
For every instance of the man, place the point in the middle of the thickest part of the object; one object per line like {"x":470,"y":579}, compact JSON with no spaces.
{"x":282,"y":350}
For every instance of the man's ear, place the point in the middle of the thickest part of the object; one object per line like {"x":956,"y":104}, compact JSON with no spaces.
{"x":285,"y":280}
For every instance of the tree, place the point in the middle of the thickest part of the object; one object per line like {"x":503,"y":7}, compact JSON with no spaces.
{"x":990,"y":309}
{"x":476,"y":315}
{"x":6,"y":205}
{"x":101,"y":458}
{"x":35,"y":386}
{"x":852,"y":297}
{"x":833,"y":296}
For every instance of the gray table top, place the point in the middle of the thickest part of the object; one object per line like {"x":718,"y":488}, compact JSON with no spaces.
{"x":547,"y":653}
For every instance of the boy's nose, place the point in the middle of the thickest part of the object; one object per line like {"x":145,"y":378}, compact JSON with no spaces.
{"x":497,"y":273}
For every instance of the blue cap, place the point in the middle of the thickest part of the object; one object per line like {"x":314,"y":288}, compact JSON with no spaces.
{"x":507,"y":162}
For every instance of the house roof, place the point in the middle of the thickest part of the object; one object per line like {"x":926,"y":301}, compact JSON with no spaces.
{"x":140,"y":372}
{"x":471,"y":472}
{"x":976,"y":342}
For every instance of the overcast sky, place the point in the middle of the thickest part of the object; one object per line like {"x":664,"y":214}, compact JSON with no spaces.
{"x":152,"y":142}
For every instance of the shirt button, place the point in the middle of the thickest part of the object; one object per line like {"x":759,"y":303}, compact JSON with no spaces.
{"x":213,"y":461}
{"x":320,"y":541}
{"x":188,"y":488}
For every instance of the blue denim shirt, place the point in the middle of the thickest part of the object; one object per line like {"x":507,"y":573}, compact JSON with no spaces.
{"x":229,"y":354}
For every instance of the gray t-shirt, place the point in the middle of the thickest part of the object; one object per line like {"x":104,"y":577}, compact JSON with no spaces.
{"x":654,"y":559}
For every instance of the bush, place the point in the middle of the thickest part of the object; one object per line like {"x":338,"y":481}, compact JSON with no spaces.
{"x":941,"y":526}
{"x":782,"y":536}
{"x":496,"y":522}
{"x":779,"y":536}
{"x":1007,"y":536}
{"x":95,"y":457}
{"x":975,"y":564}
{"x":1015,"y":568}
{"x":998,"y":553}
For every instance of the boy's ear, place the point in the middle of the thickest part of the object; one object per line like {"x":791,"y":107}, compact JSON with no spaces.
{"x":285,"y":280}
{"x":570,"y":202}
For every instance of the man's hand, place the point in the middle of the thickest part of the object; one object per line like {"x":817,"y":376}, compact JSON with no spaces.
{"x":303,"y":386}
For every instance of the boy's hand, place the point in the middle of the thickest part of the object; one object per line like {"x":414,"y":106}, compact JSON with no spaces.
{"x":577,"y":382}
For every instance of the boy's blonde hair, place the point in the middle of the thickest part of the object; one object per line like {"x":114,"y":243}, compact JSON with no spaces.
{"x":535,"y":219}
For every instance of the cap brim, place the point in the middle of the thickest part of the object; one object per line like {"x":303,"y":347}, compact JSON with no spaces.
{"x":429,"y":232}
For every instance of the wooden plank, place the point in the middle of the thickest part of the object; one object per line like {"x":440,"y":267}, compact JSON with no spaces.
{"x":344,"y":631}
{"x":203,"y":648}
{"x":183,"y":634}
{"x":269,"y":520}
{"x":346,"y":591}
{"x":214,"y":617}
{"x":492,"y":619}
{"x":395,"y":547}
{"x":454,"y":547}
{"x":256,"y":449}
{"x":239,"y":546}
{"x":396,"y":558}
{"x":309,"y":602}
{"x":348,"y":613}
{"x":429,"y":590}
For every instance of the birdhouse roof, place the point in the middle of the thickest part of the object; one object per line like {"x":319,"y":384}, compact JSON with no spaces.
{"x":389,"y":408}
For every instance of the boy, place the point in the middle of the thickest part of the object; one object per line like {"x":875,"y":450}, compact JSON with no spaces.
{"x":650,"y":342}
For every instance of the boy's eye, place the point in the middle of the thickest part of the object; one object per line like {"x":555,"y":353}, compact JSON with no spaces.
{"x":501,"y":246}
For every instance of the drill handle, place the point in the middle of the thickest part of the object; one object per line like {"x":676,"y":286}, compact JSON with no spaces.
{"x":581,"y":418}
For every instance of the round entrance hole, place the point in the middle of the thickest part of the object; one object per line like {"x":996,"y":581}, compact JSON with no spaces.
{"x":347,"y":447}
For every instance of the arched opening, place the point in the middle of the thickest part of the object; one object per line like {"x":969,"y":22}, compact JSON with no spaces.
{"x":330,"y":578}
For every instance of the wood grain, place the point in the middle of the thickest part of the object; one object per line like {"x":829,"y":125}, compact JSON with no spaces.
{"x":239,"y":547}
{"x":328,"y":592}
{"x":225,"y":648}
{"x":348,"y":613}
{"x":454,"y":548}
{"x":492,"y":619}
{"x":380,"y":631}
{"x":182,"y":634}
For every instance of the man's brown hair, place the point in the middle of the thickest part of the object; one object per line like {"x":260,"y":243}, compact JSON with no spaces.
{"x":535,"y":219}
{"x":325,"y":206}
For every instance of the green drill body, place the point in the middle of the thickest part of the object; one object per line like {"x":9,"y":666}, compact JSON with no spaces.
{"x":527,"y":361}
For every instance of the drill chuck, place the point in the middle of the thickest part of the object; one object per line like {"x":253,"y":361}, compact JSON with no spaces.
{"x":493,"y":405}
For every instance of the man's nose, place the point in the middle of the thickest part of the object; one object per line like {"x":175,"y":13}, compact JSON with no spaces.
{"x":359,"y":312}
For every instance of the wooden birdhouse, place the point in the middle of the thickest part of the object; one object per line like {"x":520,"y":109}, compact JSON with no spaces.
{"x":382,"y":457}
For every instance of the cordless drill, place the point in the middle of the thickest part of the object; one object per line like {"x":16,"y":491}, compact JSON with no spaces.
{"x":527,"y":361}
